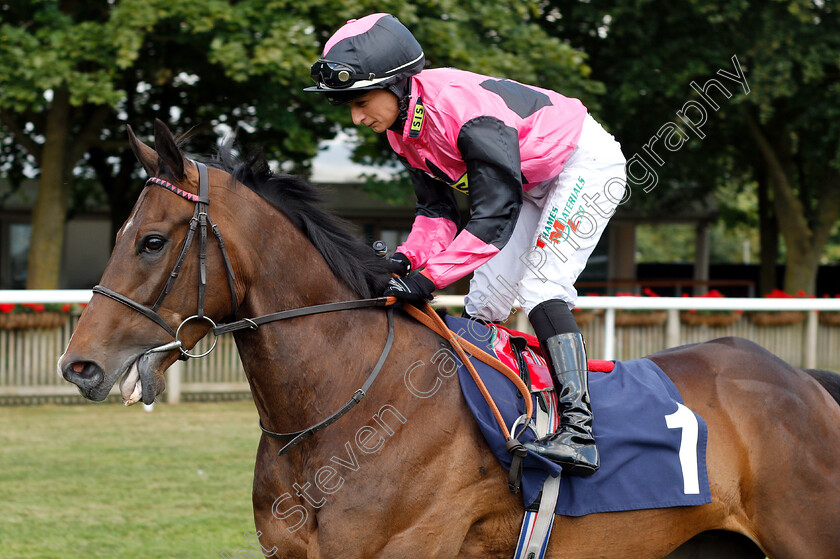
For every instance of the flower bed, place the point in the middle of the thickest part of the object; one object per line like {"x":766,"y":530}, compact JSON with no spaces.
{"x":585,"y":316}
{"x":35,"y":315}
{"x":830,"y":318}
{"x":694,"y":317}
{"x":779,"y":318}
{"x":640,"y":317}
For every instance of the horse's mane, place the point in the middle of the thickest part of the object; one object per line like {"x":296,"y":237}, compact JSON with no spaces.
{"x":350,"y":259}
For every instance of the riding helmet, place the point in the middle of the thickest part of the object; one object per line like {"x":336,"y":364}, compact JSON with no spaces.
{"x":374,"y":52}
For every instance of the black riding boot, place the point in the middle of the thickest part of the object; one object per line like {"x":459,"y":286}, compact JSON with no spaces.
{"x":572,"y":445}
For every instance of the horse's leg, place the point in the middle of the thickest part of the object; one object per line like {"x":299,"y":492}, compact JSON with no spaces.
{"x":276,"y":520}
{"x":467,"y":515}
{"x":774,"y":445}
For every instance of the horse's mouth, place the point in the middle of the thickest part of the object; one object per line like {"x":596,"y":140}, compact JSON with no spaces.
{"x":131,"y":387}
{"x":141,"y":381}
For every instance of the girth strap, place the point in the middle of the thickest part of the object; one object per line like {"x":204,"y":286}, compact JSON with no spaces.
{"x":298,"y":436}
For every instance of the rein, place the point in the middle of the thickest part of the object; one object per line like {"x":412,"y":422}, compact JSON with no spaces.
{"x":199,"y":222}
{"x":429,"y":318}
{"x":297,"y":437}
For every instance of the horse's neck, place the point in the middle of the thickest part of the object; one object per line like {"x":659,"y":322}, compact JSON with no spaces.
{"x":288,"y":362}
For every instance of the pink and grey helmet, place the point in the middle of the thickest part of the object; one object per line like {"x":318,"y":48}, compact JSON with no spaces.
{"x":373,"y":52}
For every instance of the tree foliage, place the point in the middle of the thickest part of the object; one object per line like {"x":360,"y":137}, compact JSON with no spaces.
{"x":75,"y":72}
{"x":782,"y":135}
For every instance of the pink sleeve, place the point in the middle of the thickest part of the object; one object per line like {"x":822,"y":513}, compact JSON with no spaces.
{"x":429,"y":236}
{"x":466,"y":253}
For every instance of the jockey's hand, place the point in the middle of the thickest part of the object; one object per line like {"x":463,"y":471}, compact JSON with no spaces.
{"x":403,"y":262}
{"x":415,"y":289}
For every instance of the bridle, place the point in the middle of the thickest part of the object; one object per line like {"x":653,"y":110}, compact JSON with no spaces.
{"x":199,"y":222}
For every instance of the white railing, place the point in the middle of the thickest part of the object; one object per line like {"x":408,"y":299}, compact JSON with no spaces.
{"x":675,"y":304}
{"x":27,"y":358}
{"x":45,"y":295}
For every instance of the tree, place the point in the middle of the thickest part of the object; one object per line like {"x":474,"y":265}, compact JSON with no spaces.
{"x":783,"y":134}
{"x":75,"y":73}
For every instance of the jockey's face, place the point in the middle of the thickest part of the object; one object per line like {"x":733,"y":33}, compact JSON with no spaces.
{"x":377,"y":109}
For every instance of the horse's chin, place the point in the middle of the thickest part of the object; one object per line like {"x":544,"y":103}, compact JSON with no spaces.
{"x":144,"y":379}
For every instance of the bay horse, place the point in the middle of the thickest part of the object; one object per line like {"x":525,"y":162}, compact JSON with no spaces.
{"x":402,"y":475}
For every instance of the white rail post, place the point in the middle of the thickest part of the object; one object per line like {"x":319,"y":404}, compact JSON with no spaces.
{"x":672,"y":329}
{"x":609,"y":335}
{"x":173,"y":382}
{"x":809,"y":347}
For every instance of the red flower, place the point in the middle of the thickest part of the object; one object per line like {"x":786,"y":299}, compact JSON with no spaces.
{"x":713,"y":293}
{"x":66,"y":308}
{"x":6,"y":308}
{"x":779,"y":294}
{"x":649,"y":292}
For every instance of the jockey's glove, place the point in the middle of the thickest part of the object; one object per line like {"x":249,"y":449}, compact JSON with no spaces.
{"x":403,"y":262}
{"x":414,"y":289}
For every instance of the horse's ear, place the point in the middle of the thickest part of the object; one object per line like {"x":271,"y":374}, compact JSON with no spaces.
{"x":147,"y":157}
{"x":168,"y":149}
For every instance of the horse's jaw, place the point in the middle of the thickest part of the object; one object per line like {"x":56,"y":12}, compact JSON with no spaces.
{"x":141,"y":376}
{"x":144,"y":379}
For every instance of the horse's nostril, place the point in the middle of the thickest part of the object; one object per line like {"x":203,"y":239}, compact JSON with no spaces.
{"x":82,"y":370}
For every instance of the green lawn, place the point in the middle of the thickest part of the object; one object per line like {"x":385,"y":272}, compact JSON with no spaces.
{"x":109,"y":481}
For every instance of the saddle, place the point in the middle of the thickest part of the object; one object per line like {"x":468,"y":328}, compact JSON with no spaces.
{"x":521,"y":352}
{"x":640,"y":424}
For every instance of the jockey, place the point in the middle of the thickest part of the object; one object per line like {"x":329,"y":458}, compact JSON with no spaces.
{"x":542,"y":176}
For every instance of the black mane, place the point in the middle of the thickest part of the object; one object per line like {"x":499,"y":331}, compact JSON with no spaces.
{"x":350,"y":259}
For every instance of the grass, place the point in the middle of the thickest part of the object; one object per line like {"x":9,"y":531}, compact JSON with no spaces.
{"x":106,"y":481}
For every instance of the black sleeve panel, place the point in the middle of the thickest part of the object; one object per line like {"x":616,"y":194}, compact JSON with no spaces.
{"x":490,"y":149}
{"x":434,"y":198}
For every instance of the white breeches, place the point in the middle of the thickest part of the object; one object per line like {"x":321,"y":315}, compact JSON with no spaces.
{"x":558,"y":227}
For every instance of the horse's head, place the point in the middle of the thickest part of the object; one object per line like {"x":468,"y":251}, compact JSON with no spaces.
{"x":164,"y":255}
{"x":170,"y":276}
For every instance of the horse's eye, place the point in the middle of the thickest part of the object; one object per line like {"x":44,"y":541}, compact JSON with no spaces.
{"x":153,"y":243}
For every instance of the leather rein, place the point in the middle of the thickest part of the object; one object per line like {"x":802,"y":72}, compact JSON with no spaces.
{"x":199,"y":222}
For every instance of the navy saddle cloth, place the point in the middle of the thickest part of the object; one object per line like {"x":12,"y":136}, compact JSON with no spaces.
{"x":652,"y":447}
